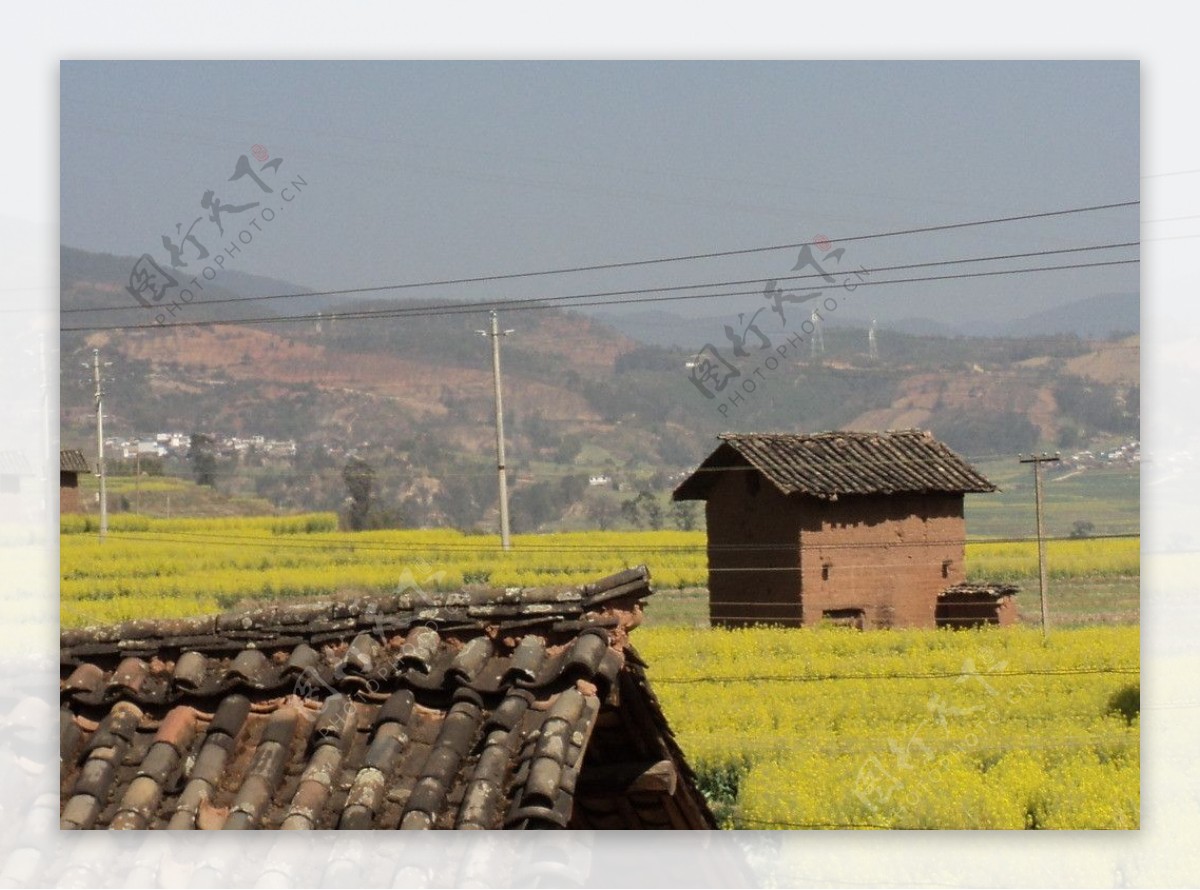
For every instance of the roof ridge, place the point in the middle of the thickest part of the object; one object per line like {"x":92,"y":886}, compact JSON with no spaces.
{"x":906,"y":431}
{"x":834,"y":463}
{"x":465,"y":608}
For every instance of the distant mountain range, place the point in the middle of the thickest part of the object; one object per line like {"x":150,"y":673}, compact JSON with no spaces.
{"x":1099,"y":317}
{"x":1096,"y":317}
{"x":99,"y":280}
{"x":1091,"y":318}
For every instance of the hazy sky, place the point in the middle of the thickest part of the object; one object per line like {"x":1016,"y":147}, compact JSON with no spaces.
{"x":419,"y":170}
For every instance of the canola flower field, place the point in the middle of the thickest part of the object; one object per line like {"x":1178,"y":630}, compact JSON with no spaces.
{"x":191,"y":566}
{"x":833,"y":728}
{"x":826,"y":728}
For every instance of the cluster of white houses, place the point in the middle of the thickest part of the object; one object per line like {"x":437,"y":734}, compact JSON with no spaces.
{"x":177,"y":445}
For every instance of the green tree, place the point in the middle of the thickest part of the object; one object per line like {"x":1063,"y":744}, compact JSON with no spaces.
{"x":1082,"y":529}
{"x":568,"y":449}
{"x":360,"y":480}
{"x":602,"y":509}
{"x":683,"y":514}
{"x":652,"y":510}
{"x":202,"y":452}
{"x":535,"y":505}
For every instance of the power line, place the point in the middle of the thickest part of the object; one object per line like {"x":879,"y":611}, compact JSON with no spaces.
{"x":529,"y":305}
{"x":783,"y":614}
{"x":712,"y":255}
{"x":464,"y":545}
{"x":922,"y":675}
{"x":414,"y":473}
{"x":867,"y":744}
{"x":388,"y":468}
{"x":778,"y":823}
{"x":485,"y":305}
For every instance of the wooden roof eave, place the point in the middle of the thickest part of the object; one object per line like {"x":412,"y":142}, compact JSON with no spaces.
{"x":696,"y":486}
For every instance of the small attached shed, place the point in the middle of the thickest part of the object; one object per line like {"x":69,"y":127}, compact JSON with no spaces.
{"x":974,"y":605}
{"x":71,"y":463}
{"x":855,"y":528}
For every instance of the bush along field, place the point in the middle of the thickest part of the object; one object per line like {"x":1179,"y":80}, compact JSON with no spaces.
{"x":990,"y":728}
{"x":189,"y":566}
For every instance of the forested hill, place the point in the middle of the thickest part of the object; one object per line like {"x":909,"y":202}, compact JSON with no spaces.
{"x":580,"y":397}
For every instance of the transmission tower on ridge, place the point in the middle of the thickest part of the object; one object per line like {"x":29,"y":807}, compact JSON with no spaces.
{"x":817,"y":341}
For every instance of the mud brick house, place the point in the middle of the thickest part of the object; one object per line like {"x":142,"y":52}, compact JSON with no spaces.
{"x":70,"y":464}
{"x":477,"y":709}
{"x":855,"y":528}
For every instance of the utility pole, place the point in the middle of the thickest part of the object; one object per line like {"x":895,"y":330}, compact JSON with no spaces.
{"x":495,"y":334}
{"x":1037,"y":461}
{"x":872,"y":345}
{"x":100,"y":444}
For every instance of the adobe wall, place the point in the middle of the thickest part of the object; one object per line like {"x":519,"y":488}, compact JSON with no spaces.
{"x":887,"y":555}
{"x":758,"y":580}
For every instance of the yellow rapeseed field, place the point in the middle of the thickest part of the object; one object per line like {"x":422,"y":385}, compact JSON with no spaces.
{"x":177,"y":567}
{"x":993,"y":728}
{"x":990,"y":728}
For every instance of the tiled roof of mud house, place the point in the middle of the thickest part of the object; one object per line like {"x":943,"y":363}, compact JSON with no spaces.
{"x":834,"y":464}
{"x":71,"y":460}
{"x":981,"y":590}
{"x":476,"y":709}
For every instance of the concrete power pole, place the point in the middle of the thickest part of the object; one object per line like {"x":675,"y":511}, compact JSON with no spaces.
{"x":100,"y":444}
{"x":495,"y":334}
{"x":1037,"y":461}
{"x":872,"y":344}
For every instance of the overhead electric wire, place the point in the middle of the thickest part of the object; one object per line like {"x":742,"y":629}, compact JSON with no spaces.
{"x":296,"y":541}
{"x":915,"y":675}
{"x":527,"y":305}
{"x":489,"y":304}
{"x":410,"y":472}
{"x":478,"y":279}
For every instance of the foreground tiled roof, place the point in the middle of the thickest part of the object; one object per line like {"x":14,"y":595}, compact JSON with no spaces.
{"x":830,"y":465}
{"x":478,"y":709}
{"x":71,"y":460}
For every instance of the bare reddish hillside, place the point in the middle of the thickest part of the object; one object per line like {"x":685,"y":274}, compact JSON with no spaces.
{"x":1116,"y":362}
{"x":1000,"y":391}
{"x":271,"y":360}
